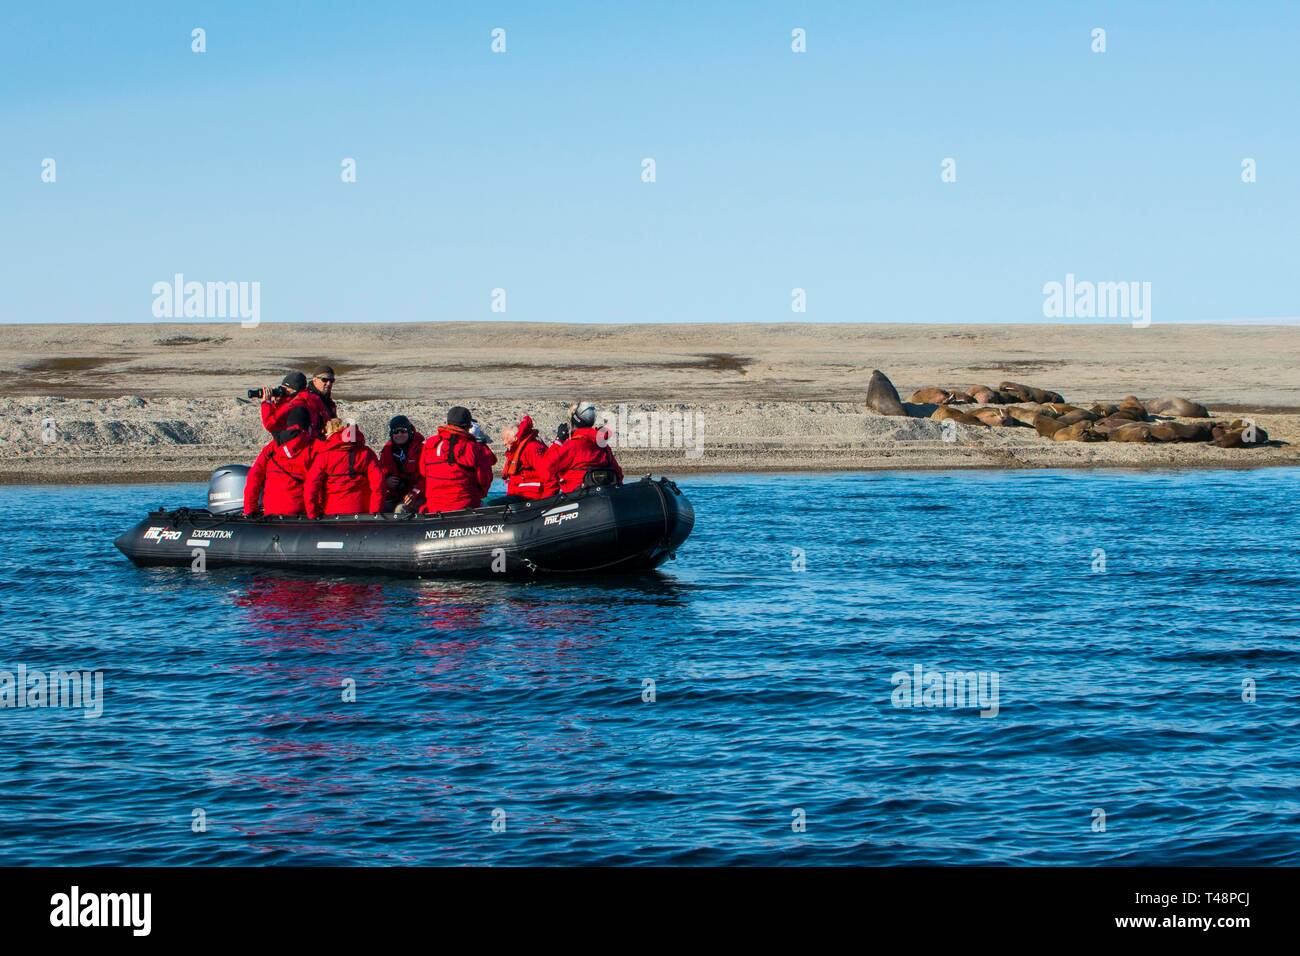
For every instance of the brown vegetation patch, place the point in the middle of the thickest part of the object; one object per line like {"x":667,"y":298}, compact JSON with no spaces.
{"x":177,"y":340}
{"x":1025,"y":365}
{"x":76,"y":363}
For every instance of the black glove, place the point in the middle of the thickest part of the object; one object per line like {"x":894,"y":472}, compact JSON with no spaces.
{"x":562,"y":431}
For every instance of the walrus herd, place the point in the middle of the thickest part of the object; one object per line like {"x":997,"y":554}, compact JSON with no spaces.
{"x":1014,"y":405}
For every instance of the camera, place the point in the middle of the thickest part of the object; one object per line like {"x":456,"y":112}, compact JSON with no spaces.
{"x":278,"y":392}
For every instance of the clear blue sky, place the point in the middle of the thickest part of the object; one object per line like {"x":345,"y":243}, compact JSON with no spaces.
{"x":775,"y":170}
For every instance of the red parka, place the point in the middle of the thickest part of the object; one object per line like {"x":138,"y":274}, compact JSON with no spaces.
{"x":567,"y":464}
{"x":344,"y":478}
{"x":457,"y":470}
{"x":275,"y":411}
{"x":327,"y":403}
{"x":523,"y":467}
{"x":278,"y":477}
{"x":407,"y":471}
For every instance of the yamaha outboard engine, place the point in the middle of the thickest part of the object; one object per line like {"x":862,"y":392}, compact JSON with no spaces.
{"x":226,"y":489}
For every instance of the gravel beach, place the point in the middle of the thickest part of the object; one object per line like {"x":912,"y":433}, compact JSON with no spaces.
{"x":157,"y":402}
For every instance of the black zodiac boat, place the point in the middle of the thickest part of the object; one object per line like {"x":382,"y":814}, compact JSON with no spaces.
{"x":600,"y":529}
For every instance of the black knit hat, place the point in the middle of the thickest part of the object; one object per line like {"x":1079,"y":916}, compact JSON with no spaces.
{"x":295,"y":380}
{"x":459,"y":415}
{"x":399,"y":421}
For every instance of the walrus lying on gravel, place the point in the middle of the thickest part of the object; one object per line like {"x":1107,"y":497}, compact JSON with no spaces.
{"x":1130,"y":431}
{"x":1046,"y":425}
{"x":1027,"y":393}
{"x":986,"y":417}
{"x":939,"y":396}
{"x":1076,"y":416}
{"x":1059,"y":408}
{"x":1108,"y":424}
{"x":984,"y":395}
{"x":946,"y":413}
{"x":1189,"y":431}
{"x":1179,"y":407}
{"x":1130,"y":405}
{"x":1239,"y":434}
{"x":995,"y":417}
{"x":931,"y":396}
{"x":1024,"y":414}
{"x":1079,"y":431}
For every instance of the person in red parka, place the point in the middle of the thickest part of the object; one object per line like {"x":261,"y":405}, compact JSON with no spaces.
{"x":400,"y":463}
{"x":456,"y":467}
{"x":523,"y":468}
{"x":344,"y":478}
{"x":276,"y":481}
{"x":296,"y":394}
{"x":322,"y":386}
{"x":586,"y":449}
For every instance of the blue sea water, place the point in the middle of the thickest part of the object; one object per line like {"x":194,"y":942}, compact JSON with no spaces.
{"x":1125,"y":615}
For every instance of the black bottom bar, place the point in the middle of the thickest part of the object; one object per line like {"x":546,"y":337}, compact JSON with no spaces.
{"x":977,"y":905}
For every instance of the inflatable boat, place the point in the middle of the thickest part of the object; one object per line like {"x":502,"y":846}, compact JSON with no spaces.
{"x":599,"y":529}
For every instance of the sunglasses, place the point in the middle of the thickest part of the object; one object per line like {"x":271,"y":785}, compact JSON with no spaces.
{"x":400,"y":431}
{"x":323,"y":379}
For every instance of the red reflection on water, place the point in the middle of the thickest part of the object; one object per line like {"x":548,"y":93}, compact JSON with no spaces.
{"x":308,"y":604}
{"x":453,"y":608}
{"x":419,"y":653}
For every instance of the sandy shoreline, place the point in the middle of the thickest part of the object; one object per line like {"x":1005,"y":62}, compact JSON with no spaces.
{"x":160,"y":402}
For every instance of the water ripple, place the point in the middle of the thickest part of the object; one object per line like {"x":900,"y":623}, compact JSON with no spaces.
{"x":732,"y":709}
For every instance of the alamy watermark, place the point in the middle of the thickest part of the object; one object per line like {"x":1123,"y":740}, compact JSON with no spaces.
{"x":1074,"y":299}
{"x":926,"y":687}
{"x":76,"y":909}
{"x":80,"y":689}
{"x":179,"y":299}
{"x":678,"y":428}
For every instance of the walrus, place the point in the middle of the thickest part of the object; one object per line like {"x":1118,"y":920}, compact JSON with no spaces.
{"x":1234,"y":435}
{"x":994,"y":417}
{"x":1025,"y":414}
{"x":961,"y":398}
{"x":1079,"y":431}
{"x":1017,"y":392}
{"x":1179,"y":431}
{"x":1162,"y":431}
{"x":1131,"y":404}
{"x":1130,"y":431}
{"x":1078,"y":415}
{"x":948,"y":413}
{"x":1192,"y":431}
{"x":1127,"y":410}
{"x":1029,"y":393}
{"x":1112,"y":422}
{"x":1103,"y":409}
{"x":1180,"y":407}
{"x":1046,"y":426}
{"x":931,"y":396}
{"x":984,"y":395}
{"x":882,"y":397}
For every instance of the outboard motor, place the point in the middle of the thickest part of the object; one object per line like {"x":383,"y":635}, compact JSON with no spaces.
{"x":226,"y":489}
{"x":600,"y":478}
